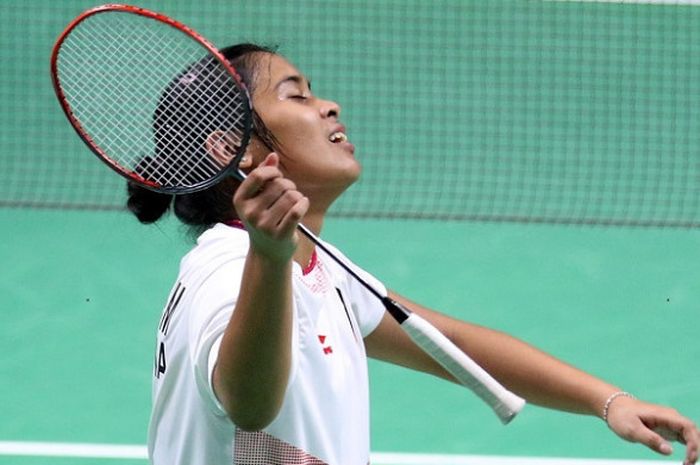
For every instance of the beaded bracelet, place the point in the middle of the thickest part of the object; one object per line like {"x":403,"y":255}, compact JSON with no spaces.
{"x":610,"y":400}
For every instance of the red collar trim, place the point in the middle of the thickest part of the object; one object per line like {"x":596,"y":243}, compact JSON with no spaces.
{"x":312,"y":264}
{"x":314,"y":257}
{"x":235,"y":224}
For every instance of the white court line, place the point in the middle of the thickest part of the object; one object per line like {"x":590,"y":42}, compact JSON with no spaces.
{"x":646,"y":2}
{"x":137,"y":452}
{"x":386,"y":458}
{"x":61,"y":449}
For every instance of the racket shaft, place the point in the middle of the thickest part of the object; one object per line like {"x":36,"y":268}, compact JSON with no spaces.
{"x":464,"y":369}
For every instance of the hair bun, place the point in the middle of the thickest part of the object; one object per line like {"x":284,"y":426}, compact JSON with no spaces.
{"x":147,"y":205}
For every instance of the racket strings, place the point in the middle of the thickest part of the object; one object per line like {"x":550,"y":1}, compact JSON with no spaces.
{"x":148,"y":96}
{"x":94,"y":55}
{"x":200,"y":118}
{"x":88,"y":106}
{"x":200,"y":115}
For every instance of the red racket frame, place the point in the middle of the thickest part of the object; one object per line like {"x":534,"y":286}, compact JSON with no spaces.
{"x":75,"y":122}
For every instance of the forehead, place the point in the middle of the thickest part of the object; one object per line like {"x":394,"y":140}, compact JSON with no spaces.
{"x":274,"y":70}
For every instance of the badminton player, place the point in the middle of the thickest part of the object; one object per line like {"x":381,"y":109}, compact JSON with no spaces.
{"x":262,"y":346}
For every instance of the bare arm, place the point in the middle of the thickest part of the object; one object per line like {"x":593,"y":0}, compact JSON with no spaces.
{"x":536,"y":376}
{"x":252,"y":369}
{"x":530,"y":373}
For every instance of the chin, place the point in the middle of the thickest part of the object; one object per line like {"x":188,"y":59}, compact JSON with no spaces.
{"x":345,"y":179}
{"x":353,"y":173}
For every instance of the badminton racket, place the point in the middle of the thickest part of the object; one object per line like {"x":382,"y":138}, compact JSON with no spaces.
{"x":160,"y":105}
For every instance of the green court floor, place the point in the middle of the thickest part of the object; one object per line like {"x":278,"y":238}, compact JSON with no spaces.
{"x":81,"y":294}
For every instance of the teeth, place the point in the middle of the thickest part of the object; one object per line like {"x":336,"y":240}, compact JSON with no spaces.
{"x":337,"y":137}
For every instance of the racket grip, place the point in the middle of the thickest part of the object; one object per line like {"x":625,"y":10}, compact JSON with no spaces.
{"x":503,"y":402}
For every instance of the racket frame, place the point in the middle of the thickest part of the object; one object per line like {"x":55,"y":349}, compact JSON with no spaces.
{"x":104,"y":156}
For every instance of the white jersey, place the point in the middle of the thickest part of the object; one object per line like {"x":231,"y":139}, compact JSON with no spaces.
{"x":324,"y":418}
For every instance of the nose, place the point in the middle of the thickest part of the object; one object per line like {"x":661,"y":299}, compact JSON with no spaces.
{"x":329,"y":109}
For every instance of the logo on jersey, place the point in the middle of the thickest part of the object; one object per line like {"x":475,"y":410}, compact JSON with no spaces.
{"x":327,"y":349}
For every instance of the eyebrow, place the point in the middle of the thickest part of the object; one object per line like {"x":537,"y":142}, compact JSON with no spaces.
{"x":295,"y":78}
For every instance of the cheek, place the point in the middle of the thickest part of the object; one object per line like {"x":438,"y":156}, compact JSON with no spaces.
{"x":294,"y":129}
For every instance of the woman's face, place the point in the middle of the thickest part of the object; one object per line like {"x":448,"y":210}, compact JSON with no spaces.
{"x":313,"y":147}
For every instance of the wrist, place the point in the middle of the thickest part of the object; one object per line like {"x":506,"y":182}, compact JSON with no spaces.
{"x":271,"y":250}
{"x":611,"y":400}
{"x":271,"y":259}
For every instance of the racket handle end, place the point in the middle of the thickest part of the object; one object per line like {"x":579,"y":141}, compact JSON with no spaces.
{"x":510,"y":408}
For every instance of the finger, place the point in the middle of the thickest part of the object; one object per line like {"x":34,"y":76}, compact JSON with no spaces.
{"x":264,"y":210}
{"x":270,"y":190}
{"x":278,"y":215}
{"x":256,"y":180}
{"x":675,"y":428}
{"x":272,"y":159}
{"x":293,"y":217}
{"x":274,"y":190}
{"x":655,"y":442}
{"x":691,"y":437}
{"x":659,"y":444}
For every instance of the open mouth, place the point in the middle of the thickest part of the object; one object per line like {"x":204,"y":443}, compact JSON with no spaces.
{"x":338,"y":137}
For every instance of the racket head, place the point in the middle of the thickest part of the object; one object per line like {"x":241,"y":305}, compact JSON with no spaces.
{"x":152,"y":98}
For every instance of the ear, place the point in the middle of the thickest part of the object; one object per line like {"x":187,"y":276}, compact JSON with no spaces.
{"x":221,"y":146}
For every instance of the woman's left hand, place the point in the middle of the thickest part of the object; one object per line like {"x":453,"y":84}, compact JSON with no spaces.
{"x":654,"y":426}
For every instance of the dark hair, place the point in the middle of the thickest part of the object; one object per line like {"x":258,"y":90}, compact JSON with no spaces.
{"x":200,"y":210}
